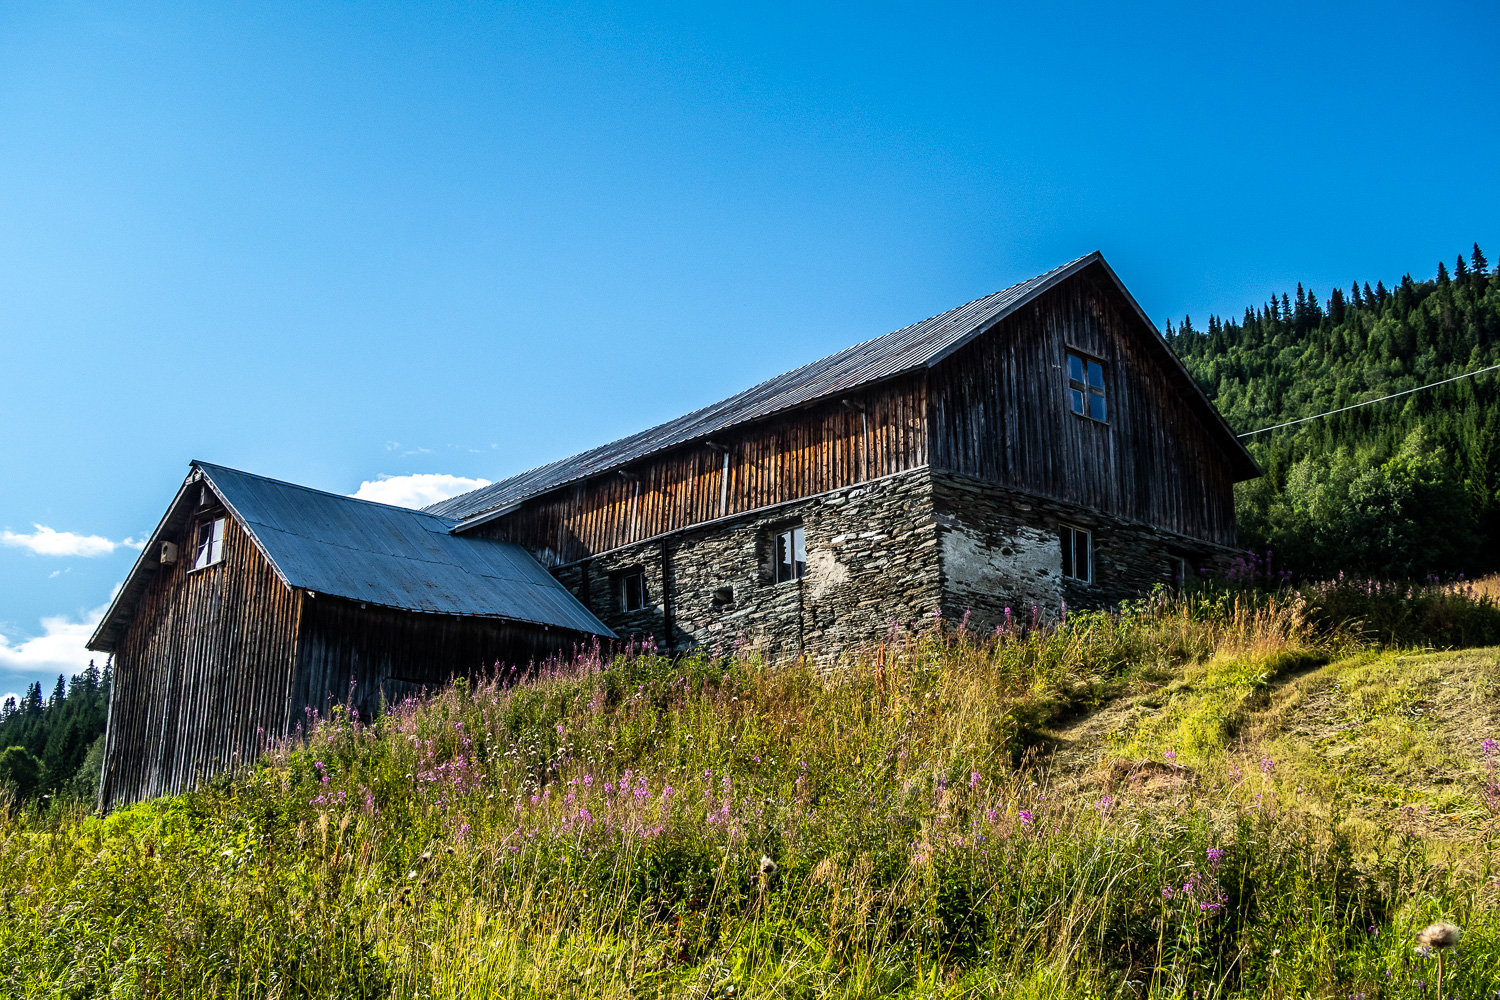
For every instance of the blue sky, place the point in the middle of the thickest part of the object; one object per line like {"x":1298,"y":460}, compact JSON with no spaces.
{"x":337,"y":242}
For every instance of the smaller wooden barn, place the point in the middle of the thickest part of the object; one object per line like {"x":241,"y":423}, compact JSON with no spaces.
{"x":258,"y":602}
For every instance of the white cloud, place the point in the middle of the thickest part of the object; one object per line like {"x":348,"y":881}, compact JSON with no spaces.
{"x":416,"y":490}
{"x":58,"y":650}
{"x":47,"y":542}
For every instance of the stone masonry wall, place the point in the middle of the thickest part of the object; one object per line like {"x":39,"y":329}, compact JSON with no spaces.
{"x":872,"y":558}
{"x":1001,"y":548}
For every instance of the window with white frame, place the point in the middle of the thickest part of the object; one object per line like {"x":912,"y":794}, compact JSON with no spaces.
{"x":1086,"y":387}
{"x":791,"y":555}
{"x":1077,"y":554}
{"x":210,"y":543}
{"x":633,"y":590}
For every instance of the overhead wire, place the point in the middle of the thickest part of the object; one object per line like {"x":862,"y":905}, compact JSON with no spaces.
{"x":1369,"y":402}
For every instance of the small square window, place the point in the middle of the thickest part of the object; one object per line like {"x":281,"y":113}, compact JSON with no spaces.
{"x":1086,"y":387}
{"x":633,"y":590}
{"x":1178,"y":568}
{"x":210,"y":546}
{"x":791,"y":555}
{"x":1077,"y":554}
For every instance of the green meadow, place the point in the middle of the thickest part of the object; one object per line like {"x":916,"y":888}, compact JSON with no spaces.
{"x":1215,"y":795}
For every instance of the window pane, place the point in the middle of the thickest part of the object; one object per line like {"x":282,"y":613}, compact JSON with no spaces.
{"x":783,"y":556}
{"x":1096,"y":406}
{"x":205,"y":553}
{"x":217,"y":551}
{"x":1075,"y":400}
{"x":1067,"y":551}
{"x":1081,"y":551}
{"x":1096,"y":375}
{"x":633,"y":591}
{"x":1075,"y":368}
{"x":799,"y":553}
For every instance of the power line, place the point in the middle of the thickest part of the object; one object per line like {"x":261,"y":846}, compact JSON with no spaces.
{"x":1369,"y":402}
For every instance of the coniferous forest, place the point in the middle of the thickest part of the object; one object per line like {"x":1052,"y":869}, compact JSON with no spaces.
{"x":54,"y":746}
{"x":1405,"y":488}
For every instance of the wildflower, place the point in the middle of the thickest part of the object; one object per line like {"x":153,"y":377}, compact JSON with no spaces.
{"x":974,"y":779}
{"x":1490,"y":746}
{"x":1215,"y":857}
{"x":1025,"y":816}
{"x":1267,"y":765}
{"x":1171,"y":755}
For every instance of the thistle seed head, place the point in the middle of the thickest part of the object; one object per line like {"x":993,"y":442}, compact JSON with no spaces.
{"x":1439,"y":935}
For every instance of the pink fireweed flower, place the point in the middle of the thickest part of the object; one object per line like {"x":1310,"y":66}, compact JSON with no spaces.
{"x":1171,"y":755}
{"x":1025,"y":816}
{"x":974,"y":779}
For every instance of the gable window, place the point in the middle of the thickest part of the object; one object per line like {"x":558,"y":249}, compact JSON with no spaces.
{"x":791,"y":555}
{"x":1077,"y":554}
{"x":1086,"y":387}
{"x":633,"y":590}
{"x":210,"y":543}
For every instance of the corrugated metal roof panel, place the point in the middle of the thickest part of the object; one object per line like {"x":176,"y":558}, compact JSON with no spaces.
{"x":392,"y":556}
{"x":903,"y":350}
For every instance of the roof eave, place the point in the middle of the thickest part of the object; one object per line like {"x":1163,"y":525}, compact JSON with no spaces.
{"x":100,"y":642}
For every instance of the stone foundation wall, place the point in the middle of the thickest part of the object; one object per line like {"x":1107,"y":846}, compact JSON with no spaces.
{"x":1001,"y":549}
{"x":872,"y":558}
{"x":895,"y":550}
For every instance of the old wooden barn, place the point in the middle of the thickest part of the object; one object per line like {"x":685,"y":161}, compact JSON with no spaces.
{"x":1036,"y":448}
{"x":257,"y":602}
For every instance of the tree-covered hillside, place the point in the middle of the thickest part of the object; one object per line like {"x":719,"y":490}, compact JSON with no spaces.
{"x":1401,"y":488}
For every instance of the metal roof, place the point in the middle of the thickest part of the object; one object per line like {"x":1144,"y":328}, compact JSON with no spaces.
{"x":919,"y":345}
{"x":370,"y":552}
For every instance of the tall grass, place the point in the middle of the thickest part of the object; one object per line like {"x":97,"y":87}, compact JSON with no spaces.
{"x":635,"y":826}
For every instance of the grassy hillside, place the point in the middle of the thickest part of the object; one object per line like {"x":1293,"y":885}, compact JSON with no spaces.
{"x":1214,"y":796}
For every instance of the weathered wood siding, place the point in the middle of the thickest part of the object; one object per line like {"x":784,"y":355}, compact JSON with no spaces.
{"x":202,"y":675}
{"x":356,"y":655}
{"x":787,"y":457}
{"x":1000,"y":413}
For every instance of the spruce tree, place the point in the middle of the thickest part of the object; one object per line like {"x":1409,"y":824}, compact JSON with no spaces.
{"x":1442,"y":277}
{"x":1478,"y":260}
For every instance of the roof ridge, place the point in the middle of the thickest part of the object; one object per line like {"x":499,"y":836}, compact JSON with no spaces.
{"x":499,"y":488}
{"x":328,"y":493}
